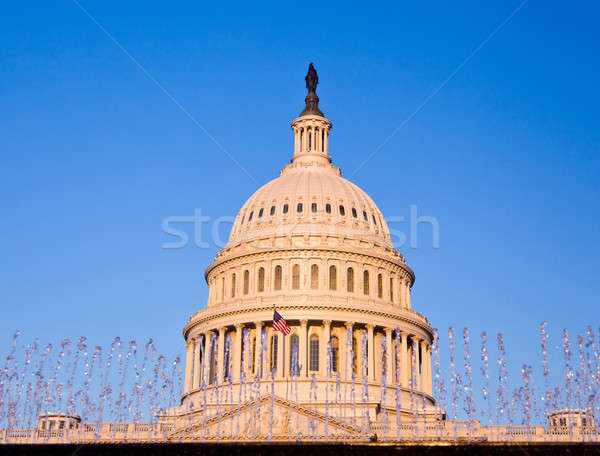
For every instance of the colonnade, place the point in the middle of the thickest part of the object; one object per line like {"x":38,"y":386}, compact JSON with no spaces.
{"x":322,"y":348}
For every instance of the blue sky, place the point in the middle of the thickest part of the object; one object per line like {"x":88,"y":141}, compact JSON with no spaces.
{"x":95,"y":155}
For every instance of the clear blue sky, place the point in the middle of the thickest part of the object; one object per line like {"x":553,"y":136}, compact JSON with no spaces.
{"x":94,"y":155}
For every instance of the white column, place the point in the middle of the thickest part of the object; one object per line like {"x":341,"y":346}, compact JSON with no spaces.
{"x":302,"y":358}
{"x":237,"y":353}
{"x":416,"y":358}
{"x":323,"y":361}
{"x":371,"y":353}
{"x":258,"y":349}
{"x":344,"y":361}
{"x":427,"y":383}
{"x":408,"y":295}
{"x":207,"y":338}
{"x":403,"y":359}
{"x":280,"y":354}
{"x":325,"y":149}
{"x":221,"y":355}
{"x":197,"y":372}
{"x":389,"y":349}
{"x":189,"y":360}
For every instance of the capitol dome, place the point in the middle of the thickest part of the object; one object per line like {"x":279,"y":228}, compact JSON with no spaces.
{"x":310,"y":197}
{"x":314,"y":248}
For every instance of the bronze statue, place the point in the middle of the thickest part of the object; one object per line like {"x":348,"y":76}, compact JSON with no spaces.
{"x":311,"y":78}
{"x":311,"y":100}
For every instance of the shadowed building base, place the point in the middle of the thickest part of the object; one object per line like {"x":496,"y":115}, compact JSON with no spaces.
{"x":292,"y":449}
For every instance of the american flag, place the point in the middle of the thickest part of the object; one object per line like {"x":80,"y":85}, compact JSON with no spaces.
{"x":280,"y":325}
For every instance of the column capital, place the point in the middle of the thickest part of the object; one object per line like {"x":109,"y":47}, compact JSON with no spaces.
{"x":239,"y":326}
{"x":222,"y":329}
{"x":303,"y":323}
{"x":370,"y":326}
{"x":388,"y":330}
{"x":348,"y":324}
{"x":258,"y":324}
{"x":327,"y":322}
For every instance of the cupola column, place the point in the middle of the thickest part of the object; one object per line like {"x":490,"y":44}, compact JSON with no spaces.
{"x":207,"y":356}
{"x":280,"y":354}
{"x":346,"y":344}
{"x":417,"y":361}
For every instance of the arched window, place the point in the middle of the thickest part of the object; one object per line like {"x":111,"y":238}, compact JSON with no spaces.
{"x":342,"y":211}
{"x":374,"y":221}
{"x":332,"y":278}
{"x":286,"y":208}
{"x":313,"y":365}
{"x":296,"y":277}
{"x":314,"y":277}
{"x":294,"y":353}
{"x":246,"y":281}
{"x":379,"y":286}
{"x":392,"y":289}
{"x":299,"y":208}
{"x":313,"y":207}
{"x":322,"y":140}
{"x":364,"y":216}
{"x":350,"y":280}
{"x":222,"y":287}
{"x":335,"y":352}
{"x":354,"y":214}
{"x":233,"y":285}
{"x":272,"y":211}
{"x":277,"y":284}
{"x":309,"y":140}
{"x":366,"y":282}
{"x":260,"y":212}
{"x":261,"y":279}
{"x":327,"y":208}
{"x":250,"y":218}
{"x":274,"y":347}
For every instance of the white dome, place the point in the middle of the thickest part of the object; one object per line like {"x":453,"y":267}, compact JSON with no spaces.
{"x":310,"y":197}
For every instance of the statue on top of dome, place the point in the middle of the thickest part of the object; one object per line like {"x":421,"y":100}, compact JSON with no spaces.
{"x":311,"y":100}
{"x":312,"y":79}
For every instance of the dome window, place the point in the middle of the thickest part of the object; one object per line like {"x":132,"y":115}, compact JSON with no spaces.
{"x":342,"y":211}
{"x":243,"y":217}
{"x":328,"y":208}
{"x":299,"y":208}
{"x":246,"y":281}
{"x":314,"y":353}
{"x":366,"y":290}
{"x":285,"y":208}
{"x":374,"y":221}
{"x":278,"y":273}
{"x":354,"y":214}
{"x":250,"y":217}
{"x":261,"y":279}
{"x":332,"y":278}
{"x":364,"y":216}
{"x":350,"y":280}
{"x":260,"y":213}
{"x":272,"y":211}
{"x":314,"y":277}
{"x":313,"y":207}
